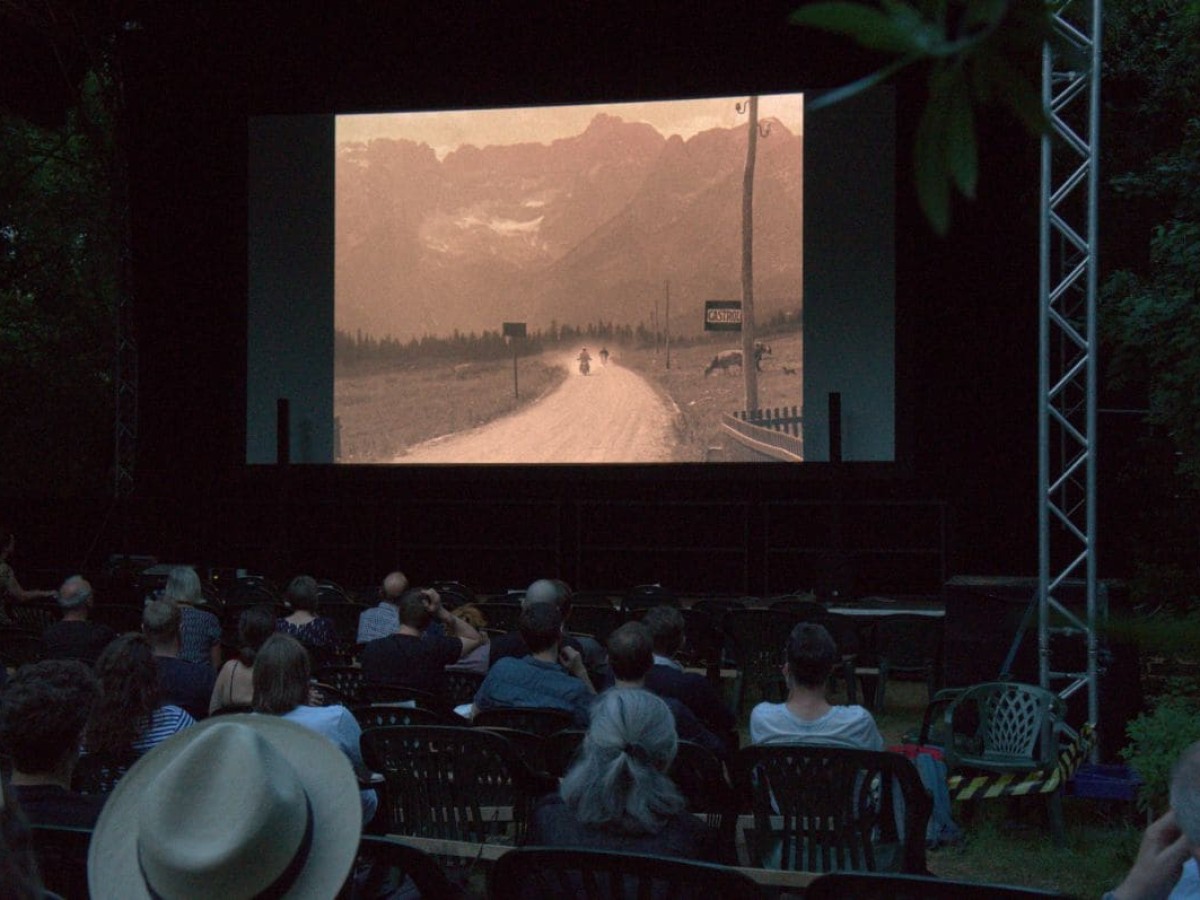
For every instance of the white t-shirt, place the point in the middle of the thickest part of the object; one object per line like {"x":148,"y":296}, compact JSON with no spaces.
{"x":842,"y":726}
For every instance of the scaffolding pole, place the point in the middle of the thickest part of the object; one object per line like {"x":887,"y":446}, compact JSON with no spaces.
{"x":1068,"y":349}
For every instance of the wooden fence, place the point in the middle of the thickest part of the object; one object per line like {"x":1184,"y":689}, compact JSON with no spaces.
{"x":775,"y":433}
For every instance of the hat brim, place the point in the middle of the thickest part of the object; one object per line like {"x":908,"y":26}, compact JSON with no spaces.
{"x":327,"y":777}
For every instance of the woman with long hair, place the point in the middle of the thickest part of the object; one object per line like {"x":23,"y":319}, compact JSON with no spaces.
{"x":618,"y":796}
{"x":234,"y":686}
{"x":281,"y":688}
{"x":130,"y":714}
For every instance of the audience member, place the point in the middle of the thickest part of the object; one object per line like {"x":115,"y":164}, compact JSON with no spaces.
{"x":558,"y":592}
{"x":199,"y":629}
{"x":551,"y":676}
{"x":238,"y":806}
{"x":412,"y":658}
{"x":476,"y":660}
{"x":1166,"y":864}
{"x":10,"y":588}
{"x":186,"y":684}
{"x":806,"y":716}
{"x":42,"y":715}
{"x":631,"y":654}
{"x":668,"y":679}
{"x":235,"y":681}
{"x":76,"y":636}
{"x":617,"y":796}
{"x":130,"y":715}
{"x":315,"y":633}
{"x":281,"y":688}
{"x":384,"y":619}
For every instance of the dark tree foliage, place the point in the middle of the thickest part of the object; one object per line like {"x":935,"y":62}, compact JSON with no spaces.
{"x":59,"y":247}
{"x":62,"y":250}
{"x":1151,"y":306}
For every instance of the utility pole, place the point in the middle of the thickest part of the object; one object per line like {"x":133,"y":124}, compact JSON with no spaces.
{"x":668,"y":329}
{"x":749,"y":363}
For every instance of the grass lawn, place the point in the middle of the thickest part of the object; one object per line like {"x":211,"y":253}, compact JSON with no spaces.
{"x":1006,"y":845}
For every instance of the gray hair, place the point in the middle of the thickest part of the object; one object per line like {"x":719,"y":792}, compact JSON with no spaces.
{"x":74,"y":593}
{"x":620,"y":779}
{"x":1185,"y":793}
{"x":183,"y":586}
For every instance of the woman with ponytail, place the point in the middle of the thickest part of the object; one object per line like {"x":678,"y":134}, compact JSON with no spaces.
{"x":617,"y":795}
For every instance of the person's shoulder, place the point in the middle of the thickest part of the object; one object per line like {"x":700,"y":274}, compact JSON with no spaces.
{"x":766,"y":710}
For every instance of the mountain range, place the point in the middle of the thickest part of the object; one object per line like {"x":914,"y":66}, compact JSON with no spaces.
{"x":594,"y":227}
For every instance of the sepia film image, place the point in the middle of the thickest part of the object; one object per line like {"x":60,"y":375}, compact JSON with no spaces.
{"x":616,"y":283}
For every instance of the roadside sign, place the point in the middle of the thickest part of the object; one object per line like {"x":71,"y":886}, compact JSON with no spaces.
{"x":722,"y":315}
{"x":514,"y":329}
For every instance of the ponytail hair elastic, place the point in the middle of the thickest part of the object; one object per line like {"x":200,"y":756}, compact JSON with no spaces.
{"x":638,"y":752}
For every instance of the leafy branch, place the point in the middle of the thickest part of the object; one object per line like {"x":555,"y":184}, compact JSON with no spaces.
{"x":977,"y":52}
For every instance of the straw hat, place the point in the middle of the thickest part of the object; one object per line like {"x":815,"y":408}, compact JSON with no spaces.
{"x":236,"y":806}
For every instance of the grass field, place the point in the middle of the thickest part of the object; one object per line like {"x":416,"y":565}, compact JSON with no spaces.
{"x":383,"y":413}
{"x":702,"y":400}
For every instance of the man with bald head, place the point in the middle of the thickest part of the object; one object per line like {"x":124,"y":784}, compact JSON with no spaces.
{"x":557,"y":592}
{"x":384,"y":619}
{"x":75,"y":637}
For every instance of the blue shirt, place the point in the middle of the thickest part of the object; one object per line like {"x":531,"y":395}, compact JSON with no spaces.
{"x":528,"y":682}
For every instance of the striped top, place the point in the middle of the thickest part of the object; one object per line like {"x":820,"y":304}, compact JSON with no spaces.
{"x":164,"y":722}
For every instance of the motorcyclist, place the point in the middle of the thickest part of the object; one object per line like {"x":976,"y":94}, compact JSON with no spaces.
{"x":604,"y":356}
{"x":585,"y":360}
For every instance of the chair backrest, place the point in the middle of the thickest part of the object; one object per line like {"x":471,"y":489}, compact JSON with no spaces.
{"x":348,"y":680}
{"x":541,"y":872}
{"x":907,"y":641}
{"x":758,"y":637}
{"x":598,"y":621}
{"x":19,"y":646}
{"x":35,"y":617}
{"x":644,"y":596}
{"x":98,"y":773}
{"x":383,"y":864}
{"x":398,"y":693}
{"x":560,"y":749}
{"x":821,"y":809}
{"x":62,"y":854}
{"x":874,"y":886}
{"x":501,"y":615}
{"x":379,"y":715}
{"x":452,"y":783}
{"x":539,"y":720}
{"x":1013,"y":725}
{"x":700,"y":777}
{"x":454,"y":593}
{"x":460,"y":686}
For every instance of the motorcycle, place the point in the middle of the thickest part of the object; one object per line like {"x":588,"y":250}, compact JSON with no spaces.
{"x":584,"y":367}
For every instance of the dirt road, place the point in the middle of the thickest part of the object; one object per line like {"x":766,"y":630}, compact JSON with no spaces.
{"x":609,"y":416}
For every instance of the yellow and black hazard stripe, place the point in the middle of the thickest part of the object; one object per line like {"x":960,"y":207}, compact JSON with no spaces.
{"x":986,"y":786}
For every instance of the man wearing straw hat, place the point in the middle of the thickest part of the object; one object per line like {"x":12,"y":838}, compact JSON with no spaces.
{"x":236,"y":807}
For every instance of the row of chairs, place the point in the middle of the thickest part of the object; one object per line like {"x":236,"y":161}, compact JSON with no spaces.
{"x":814,"y":808}
{"x":730,"y":633}
{"x":541,"y":873}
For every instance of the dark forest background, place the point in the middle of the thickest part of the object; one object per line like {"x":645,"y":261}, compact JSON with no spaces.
{"x":88,"y":220}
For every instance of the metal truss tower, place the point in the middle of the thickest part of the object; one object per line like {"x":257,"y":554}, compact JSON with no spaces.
{"x":1068,"y":351}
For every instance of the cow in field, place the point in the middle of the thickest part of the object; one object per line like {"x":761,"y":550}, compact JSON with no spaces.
{"x":724,"y":360}
{"x":727,"y":358}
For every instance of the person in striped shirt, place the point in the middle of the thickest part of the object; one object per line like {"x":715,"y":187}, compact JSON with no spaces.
{"x":130,"y":714}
